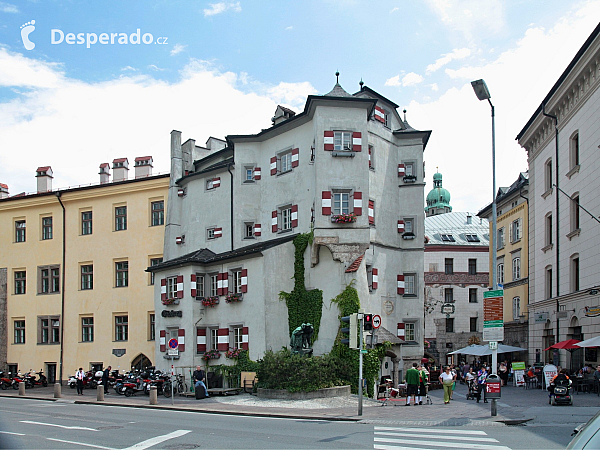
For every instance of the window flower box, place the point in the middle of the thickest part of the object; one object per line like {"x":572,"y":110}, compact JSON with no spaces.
{"x":408,"y":235}
{"x":233,"y":298}
{"x":233,"y":354}
{"x":409,"y":178}
{"x":344,"y":218}
{"x":211,"y":354}
{"x":210,"y":302}
{"x":170,"y":301}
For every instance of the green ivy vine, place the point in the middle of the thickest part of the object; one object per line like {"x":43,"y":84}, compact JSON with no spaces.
{"x":303,"y":306}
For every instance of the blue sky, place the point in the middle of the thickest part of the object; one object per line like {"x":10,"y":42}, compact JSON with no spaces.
{"x":226,"y":65}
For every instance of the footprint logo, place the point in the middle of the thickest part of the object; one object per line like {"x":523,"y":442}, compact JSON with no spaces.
{"x":26,"y":30}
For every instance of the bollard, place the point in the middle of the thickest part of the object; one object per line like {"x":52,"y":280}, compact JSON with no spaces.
{"x":153,"y":395}
{"x":57,"y":390}
{"x":100,"y":393}
{"x":21,"y":388}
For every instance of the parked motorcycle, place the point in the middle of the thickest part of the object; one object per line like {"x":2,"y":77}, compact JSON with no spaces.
{"x":18,"y":378}
{"x":6,"y":381}
{"x":32,"y":381}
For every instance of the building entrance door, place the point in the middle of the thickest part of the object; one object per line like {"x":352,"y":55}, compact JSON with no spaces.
{"x":51,"y":372}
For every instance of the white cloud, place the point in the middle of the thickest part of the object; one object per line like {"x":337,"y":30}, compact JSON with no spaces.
{"x":394,"y":10}
{"x":289,"y":28}
{"x":128,"y":68}
{"x":218,"y":8}
{"x":75,"y":126}
{"x":434,"y":87}
{"x":460,"y":143}
{"x":394,"y":81}
{"x":412,"y":79}
{"x":458,"y":15}
{"x":8,"y":8}
{"x":177,"y":48}
{"x":457,"y":53}
{"x":155,"y":68}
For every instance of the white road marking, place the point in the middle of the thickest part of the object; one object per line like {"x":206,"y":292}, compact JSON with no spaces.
{"x":442,"y":444}
{"x":58,"y":426}
{"x":158,"y":439}
{"x":432,"y":430}
{"x":80,"y":443}
{"x":9,"y":432}
{"x":396,"y":447}
{"x":452,"y":438}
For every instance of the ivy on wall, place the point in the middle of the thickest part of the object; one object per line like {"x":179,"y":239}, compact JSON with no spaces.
{"x":303,"y":306}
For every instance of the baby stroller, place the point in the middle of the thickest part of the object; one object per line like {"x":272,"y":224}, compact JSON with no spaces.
{"x":472,"y":390}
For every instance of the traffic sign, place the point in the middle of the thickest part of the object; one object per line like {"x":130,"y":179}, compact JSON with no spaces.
{"x":376,"y":321}
{"x":173,"y":343}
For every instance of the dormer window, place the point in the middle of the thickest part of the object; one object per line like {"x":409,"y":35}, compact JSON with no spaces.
{"x":447,"y":238}
{"x":471,"y":238}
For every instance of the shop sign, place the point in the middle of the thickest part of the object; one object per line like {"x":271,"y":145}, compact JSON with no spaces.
{"x":171,"y":313}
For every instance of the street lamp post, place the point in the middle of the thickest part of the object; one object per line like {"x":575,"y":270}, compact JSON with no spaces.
{"x":482,"y":92}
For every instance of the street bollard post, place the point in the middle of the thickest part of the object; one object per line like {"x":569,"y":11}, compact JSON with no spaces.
{"x":57,"y":390}
{"x":21,"y":388}
{"x":100,"y":393}
{"x":153,"y":395}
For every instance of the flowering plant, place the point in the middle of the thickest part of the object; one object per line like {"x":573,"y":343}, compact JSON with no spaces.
{"x":168,"y":301}
{"x":211,"y":354}
{"x":344,"y":218}
{"x":210,"y":301}
{"x":233,"y":354}
{"x":231,"y":298}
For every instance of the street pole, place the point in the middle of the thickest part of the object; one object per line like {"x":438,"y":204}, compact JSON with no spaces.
{"x":360,"y":364}
{"x":495,"y":246}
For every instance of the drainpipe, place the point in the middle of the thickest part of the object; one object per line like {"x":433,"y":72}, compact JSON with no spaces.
{"x":62,"y":297}
{"x":557,"y":219}
{"x":231,"y":205}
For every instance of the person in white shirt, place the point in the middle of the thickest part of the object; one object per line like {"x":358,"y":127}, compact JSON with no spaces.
{"x":447,"y":379}
{"x":79,"y":376}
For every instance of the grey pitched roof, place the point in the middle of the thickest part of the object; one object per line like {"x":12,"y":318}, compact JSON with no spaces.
{"x":205,"y":256}
{"x":455,"y":224}
{"x":503,"y":192}
{"x":337,"y":91}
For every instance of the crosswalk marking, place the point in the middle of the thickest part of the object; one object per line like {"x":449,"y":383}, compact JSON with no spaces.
{"x":407,"y":438}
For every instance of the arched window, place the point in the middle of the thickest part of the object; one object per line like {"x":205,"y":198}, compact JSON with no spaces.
{"x":516,"y":308}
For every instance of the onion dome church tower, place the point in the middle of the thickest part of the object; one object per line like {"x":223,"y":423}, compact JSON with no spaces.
{"x":438,"y":199}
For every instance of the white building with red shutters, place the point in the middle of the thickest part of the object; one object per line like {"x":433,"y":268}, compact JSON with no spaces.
{"x":348,"y":168}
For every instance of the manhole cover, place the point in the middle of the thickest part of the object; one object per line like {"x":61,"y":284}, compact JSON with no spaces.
{"x":114,"y":427}
{"x":182,"y":446}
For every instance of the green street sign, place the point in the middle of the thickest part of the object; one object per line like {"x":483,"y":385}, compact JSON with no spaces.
{"x":491,"y":294}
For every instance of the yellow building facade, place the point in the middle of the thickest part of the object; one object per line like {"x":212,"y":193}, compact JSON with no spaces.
{"x":77,"y":294}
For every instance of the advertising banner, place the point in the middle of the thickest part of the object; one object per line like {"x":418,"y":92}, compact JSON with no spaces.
{"x":550,"y":371}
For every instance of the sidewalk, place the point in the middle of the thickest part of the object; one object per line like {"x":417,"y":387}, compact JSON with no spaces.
{"x":516,"y":405}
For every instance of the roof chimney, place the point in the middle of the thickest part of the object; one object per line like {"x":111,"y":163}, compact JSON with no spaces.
{"x":44,"y":179}
{"x":104,"y":173}
{"x":3,"y":190}
{"x":120,"y":169}
{"x":469,"y":219}
{"x":143,"y":166}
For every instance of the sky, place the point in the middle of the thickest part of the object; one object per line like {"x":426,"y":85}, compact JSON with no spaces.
{"x":83,"y":83}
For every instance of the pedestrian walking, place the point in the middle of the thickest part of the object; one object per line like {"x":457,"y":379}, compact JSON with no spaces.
{"x":105,"y":376}
{"x":446,"y":380}
{"x":453,"y":372}
{"x":481,"y":382}
{"x":412,"y":384}
{"x":423,"y":378}
{"x":79,"y":377}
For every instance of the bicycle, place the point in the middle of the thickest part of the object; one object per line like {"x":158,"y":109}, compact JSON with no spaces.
{"x":180,"y":387}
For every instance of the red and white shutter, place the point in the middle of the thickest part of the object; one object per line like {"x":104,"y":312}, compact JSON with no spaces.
{"x":179,"y":286}
{"x":244,"y":286}
{"x":370,"y":158}
{"x":379,"y":114}
{"x":216,"y":182}
{"x":218,"y":232}
{"x":223,"y":339}
{"x":400,"y":332}
{"x":257,"y":229}
{"x":357,"y":141}
{"x":163,"y":340}
{"x":225,"y":278}
{"x":274,"y":221}
{"x":401,"y":226}
{"x":257,"y":173}
{"x":371,"y":212}
{"x":328,"y":141}
{"x":273,"y":165}
{"x":358,"y":203}
{"x":244,"y":338}
{"x":375,"y":273}
{"x":200,"y":340}
{"x":163,"y":289}
{"x":294,"y":216}
{"x":401,"y":170}
{"x":326,"y":203}
{"x":219,"y":284}
{"x":181,"y":339}
{"x":193,"y":285}
{"x":295,"y":157}
{"x":401,"y":284}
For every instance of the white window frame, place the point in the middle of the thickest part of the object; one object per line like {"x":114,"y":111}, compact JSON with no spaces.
{"x":284,"y":161}
{"x":122,"y":274}
{"x":214,"y":339}
{"x":515,"y":231}
{"x":500,"y":238}
{"x":409,"y":225}
{"x":285,"y":216}
{"x":171,"y":288}
{"x":122,"y":328}
{"x":210,"y":233}
{"x":20,"y":231}
{"x":516,"y":307}
{"x":200,"y":287}
{"x":236,"y":337}
{"x":500,"y":273}
{"x":248,"y":230}
{"x":342,"y":141}
{"x":339,"y":199}
{"x":214,"y":282}
{"x":410,"y":284}
{"x":19,"y":331}
{"x":235,"y":287}
{"x":409,"y":169}
{"x":516,"y":268}
{"x":410,"y":331}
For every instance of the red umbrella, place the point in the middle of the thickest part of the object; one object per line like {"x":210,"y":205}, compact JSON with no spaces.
{"x":569,"y":344}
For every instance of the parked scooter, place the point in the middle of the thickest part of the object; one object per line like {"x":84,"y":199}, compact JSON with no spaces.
{"x":6,"y":381}
{"x":31,"y":380}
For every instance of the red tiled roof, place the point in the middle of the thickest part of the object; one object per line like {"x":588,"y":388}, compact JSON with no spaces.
{"x":118,"y":160}
{"x":43,"y":169}
{"x":143,"y":158}
{"x":354,"y":266}
{"x":104,"y":165}
{"x":5,"y":186}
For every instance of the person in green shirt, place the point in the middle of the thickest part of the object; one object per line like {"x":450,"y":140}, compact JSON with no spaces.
{"x":412,"y":384}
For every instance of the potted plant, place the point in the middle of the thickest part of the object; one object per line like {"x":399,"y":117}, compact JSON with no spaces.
{"x":210,"y":302}
{"x":170,"y":301}
{"x":233,"y":354}
{"x":233,"y":298}
{"x":211,"y":354}
{"x":344,"y":218}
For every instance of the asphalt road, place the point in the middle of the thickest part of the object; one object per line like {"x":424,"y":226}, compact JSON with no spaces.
{"x":39,"y":424}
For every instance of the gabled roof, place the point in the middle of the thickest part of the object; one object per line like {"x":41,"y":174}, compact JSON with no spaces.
{"x":365,"y":88}
{"x":504,"y":192}
{"x":205,"y":256}
{"x":455,"y":224}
